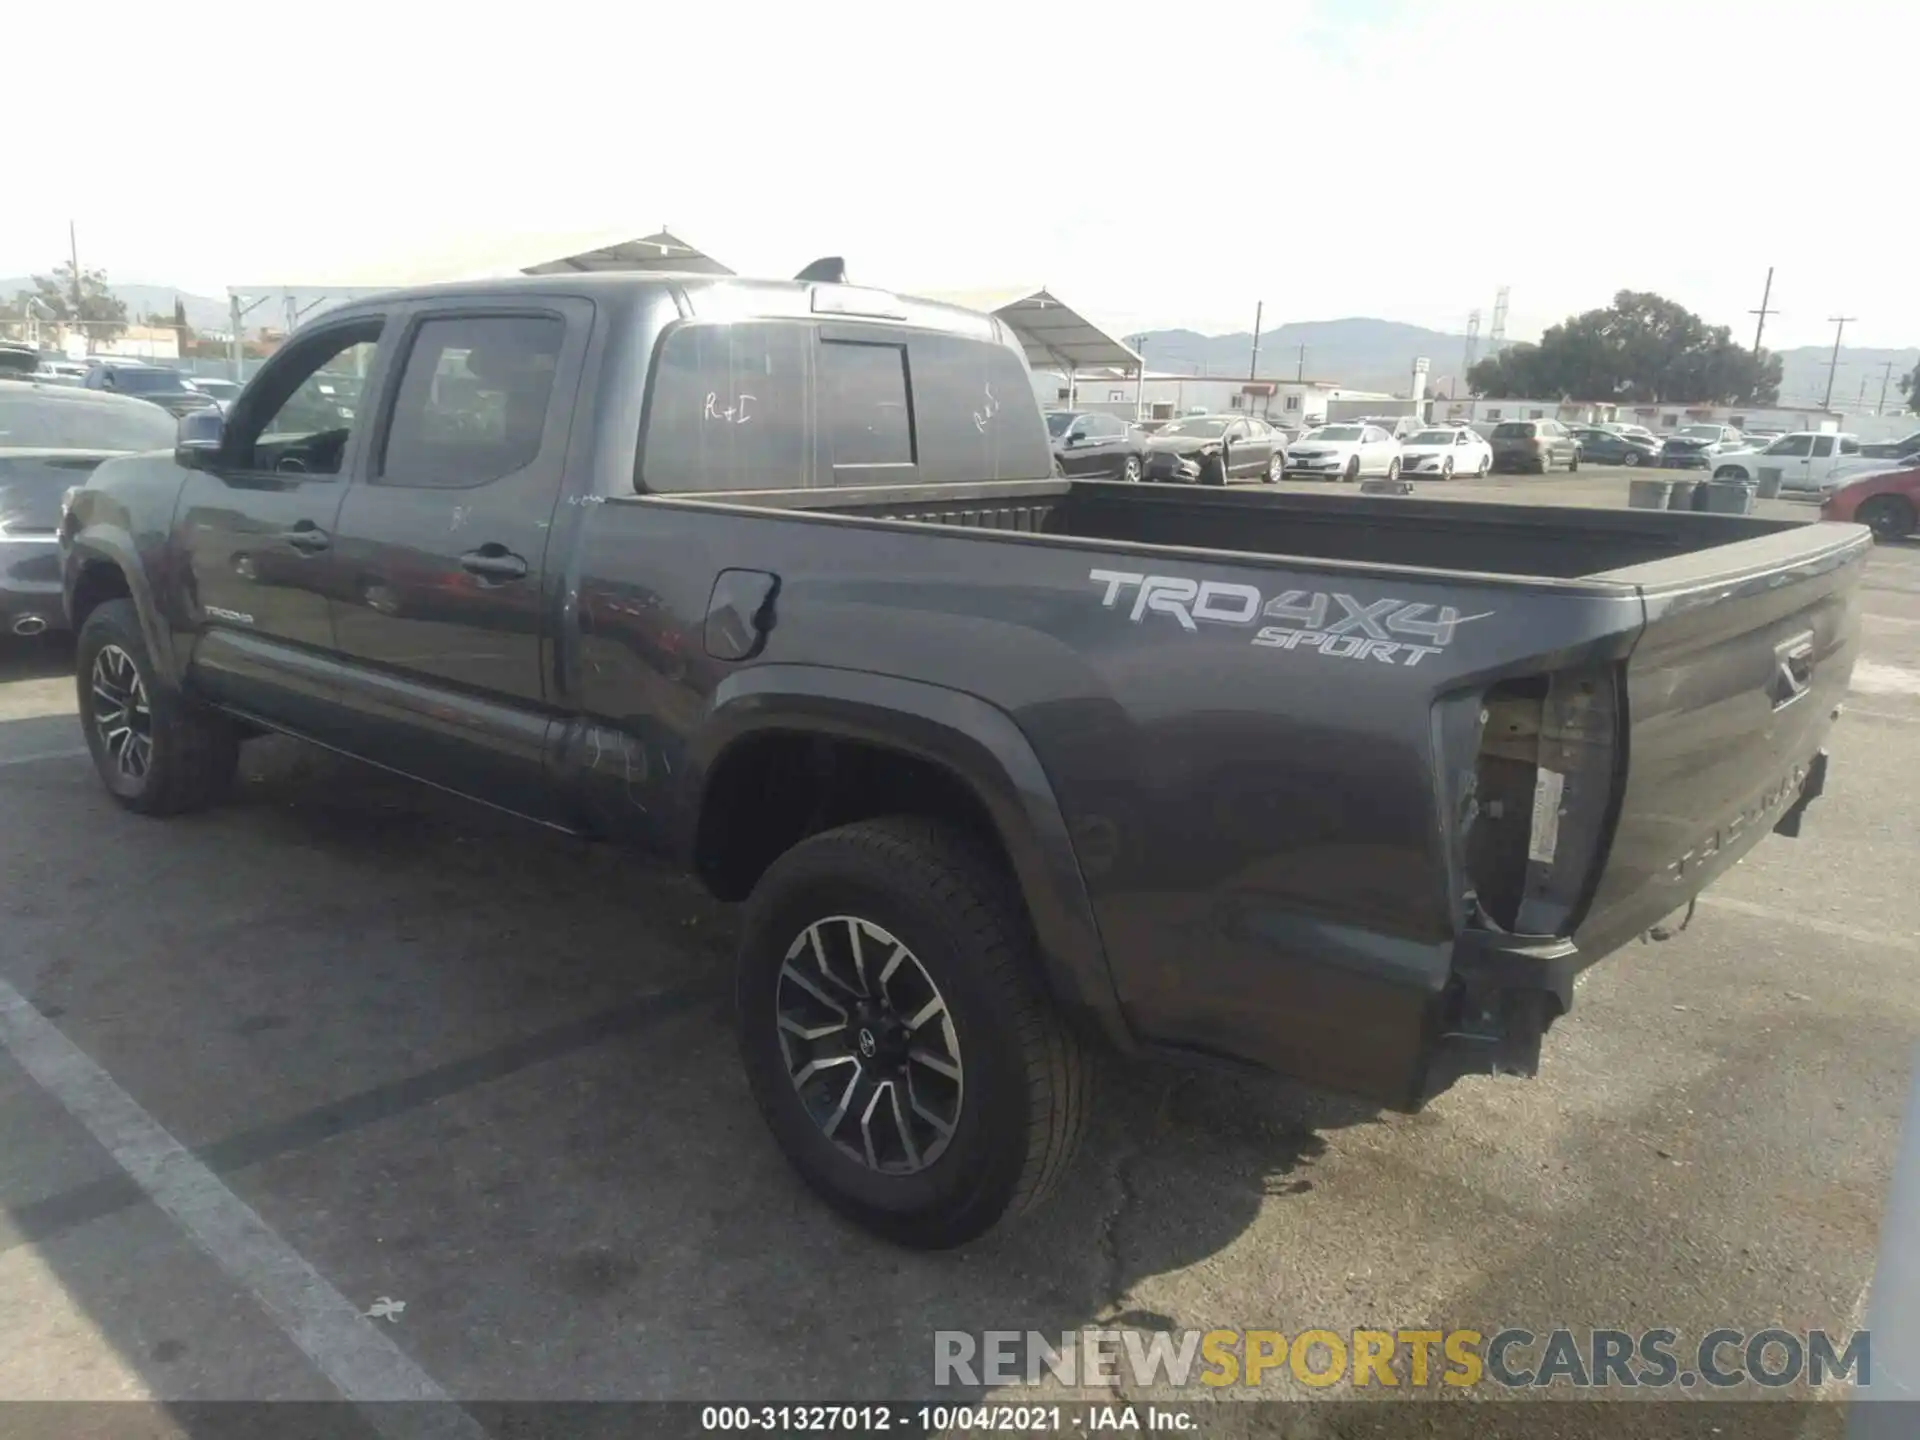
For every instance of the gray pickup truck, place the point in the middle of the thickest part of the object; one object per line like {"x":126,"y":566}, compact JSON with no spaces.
{"x":774,"y":578}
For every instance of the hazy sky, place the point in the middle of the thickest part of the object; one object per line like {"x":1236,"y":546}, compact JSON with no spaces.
{"x":1131,"y":157}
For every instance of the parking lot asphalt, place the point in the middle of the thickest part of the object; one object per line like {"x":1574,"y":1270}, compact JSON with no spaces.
{"x":479,"y":1079}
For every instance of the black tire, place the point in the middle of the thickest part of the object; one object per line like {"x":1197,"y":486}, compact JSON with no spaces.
{"x":1446,"y":468}
{"x":1130,"y":472}
{"x":1022,"y":1107}
{"x":1485,"y":467}
{"x":1214,"y":471}
{"x":1573,"y":463}
{"x":1730,"y":472}
{"x":1890,"y":517}
{"x":190,"y":751}
{"x":1352,"y":472}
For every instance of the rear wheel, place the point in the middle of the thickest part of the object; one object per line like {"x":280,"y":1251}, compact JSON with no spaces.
{"x":1890,"y":517}
{"x":1393,"y":468}
{"x":1573,"y":462}
{"x":1480,"y":472}
{"x":157,"y":752}
{"x":1275,"y":468}
{"x":1130,"y":472}
{"x":896,"y":1035}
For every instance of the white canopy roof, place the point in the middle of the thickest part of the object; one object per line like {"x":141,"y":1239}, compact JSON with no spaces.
{"x":1054,"y":335}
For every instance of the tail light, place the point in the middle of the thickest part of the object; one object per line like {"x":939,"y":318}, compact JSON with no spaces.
{"x":1543,"y":792}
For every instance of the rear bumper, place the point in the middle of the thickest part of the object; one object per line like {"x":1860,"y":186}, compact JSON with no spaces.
{"x":1398,"y":1022}
{"x":30,"y":599}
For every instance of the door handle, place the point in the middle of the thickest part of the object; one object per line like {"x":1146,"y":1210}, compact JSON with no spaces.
{"x":307,"y":537}
{"x":494,"y":562}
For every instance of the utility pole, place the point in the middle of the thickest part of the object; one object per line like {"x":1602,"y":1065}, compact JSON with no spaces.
{"x":1886,"y":374}
{"x":1839,"y":322}
{"x":1253,"y":363}
{"x":1763,"y":312}
{"x":1300,"y":374}
{"x":73,"y":260}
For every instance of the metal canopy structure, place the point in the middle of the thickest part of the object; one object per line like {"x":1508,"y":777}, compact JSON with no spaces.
{"x":660,"y":251}
{"x":1054,"y":334}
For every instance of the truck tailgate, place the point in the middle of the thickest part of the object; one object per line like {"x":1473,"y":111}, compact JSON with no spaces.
{"x":1730,"y":690}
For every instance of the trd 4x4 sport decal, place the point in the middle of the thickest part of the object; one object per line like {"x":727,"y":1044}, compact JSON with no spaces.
{"x":1394,"y":632}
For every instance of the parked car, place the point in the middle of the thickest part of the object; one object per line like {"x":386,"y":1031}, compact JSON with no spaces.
{"x":983,"y":773}
{"x":1537,"y":445}
{"x":1636,"y":432}
{"x":1887,"y":502}
{"x":1398,"y":426}
{"x":1810,"y":462}
{"x":156,"y":384}
{"x":1612,"y":447}
{"x":51,"y":438}
{"x":1092,"y":446}
{"x":1348,"y":451}
{"x":1696,"y":447}
{"x":1903,"y":449}
{"x":223,"y":391}
{"x":1444,"y":452}
{"x":1209,"y":449}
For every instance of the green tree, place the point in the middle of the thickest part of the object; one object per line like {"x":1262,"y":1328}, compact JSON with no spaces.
{"x":1643,"y":347}
{"x":52,"y":297}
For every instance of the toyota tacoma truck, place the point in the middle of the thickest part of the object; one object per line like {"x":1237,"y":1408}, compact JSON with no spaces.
{"x":773,"y":577}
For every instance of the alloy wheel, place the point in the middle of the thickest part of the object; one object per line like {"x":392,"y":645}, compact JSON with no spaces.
{"x":121,"y":715}
{"x":869,"y":1045}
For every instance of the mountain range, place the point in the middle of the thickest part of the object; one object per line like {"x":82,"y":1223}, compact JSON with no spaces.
{"x":1359,"y":353}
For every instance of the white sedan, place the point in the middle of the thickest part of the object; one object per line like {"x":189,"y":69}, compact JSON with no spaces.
{"x":1344,"y":452}
{"x":1444,"y":452}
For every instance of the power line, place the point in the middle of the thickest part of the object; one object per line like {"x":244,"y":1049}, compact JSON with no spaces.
{"x":1839,"y":322}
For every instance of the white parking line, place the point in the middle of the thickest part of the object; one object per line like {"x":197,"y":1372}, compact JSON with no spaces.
{"x":1886,"y":715}
{"x":363,"y":1364}
{"x":38,"y":756}
{"x":1836,"y":928}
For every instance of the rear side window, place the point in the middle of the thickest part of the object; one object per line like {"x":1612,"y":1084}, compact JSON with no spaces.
{"x":731,"y":409}
{"x":863,"y":401}
{"x":1513,"y":430}
{"x":973,"y":412}
{"x":473,"y":398}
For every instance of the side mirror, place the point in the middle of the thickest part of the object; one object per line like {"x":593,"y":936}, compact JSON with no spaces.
{"x":1076,"y":437}
{"x":197,"y":439}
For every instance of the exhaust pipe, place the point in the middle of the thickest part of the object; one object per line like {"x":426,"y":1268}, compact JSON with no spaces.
{"x":29,"y":625}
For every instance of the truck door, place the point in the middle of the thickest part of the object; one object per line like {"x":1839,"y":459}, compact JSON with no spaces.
{"x":442,"y":618}
{"x":253,"y":530}
{"x":1790,"y":454}
{"x":1823,"y":460}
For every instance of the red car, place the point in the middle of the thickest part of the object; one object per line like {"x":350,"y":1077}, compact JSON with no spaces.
{"x":1887,"y":502}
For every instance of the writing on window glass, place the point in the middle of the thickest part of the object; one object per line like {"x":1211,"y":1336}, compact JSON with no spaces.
{"x":987,"y":411}
{"x":738,"y":413}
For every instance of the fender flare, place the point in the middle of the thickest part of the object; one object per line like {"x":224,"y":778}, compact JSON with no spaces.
{"x":110,"y":544}
{"x":976,"y":742}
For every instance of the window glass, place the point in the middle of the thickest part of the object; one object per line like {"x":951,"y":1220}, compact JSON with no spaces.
{"x":971,"y":413}
{"x":1822,"y":446}
{"x":1849,"y":445}
{"x":300,"y":411}
{"x":863,"y":401}
{"x":1792,"y":445}
{"x":731,"y":409}
{"x":473,"y":397}
{"x":328,"y":399}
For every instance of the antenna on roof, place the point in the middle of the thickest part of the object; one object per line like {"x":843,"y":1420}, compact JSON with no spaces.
{"x":827,"y":270}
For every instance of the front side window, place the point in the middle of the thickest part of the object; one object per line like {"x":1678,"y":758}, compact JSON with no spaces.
{"x":731,"y":409}
{"x":1822,"y":446}
{"x":1849,"y":445}
{"x":473,"y":398}
{"x":299,"y":414}
{"x":1794,"y":446}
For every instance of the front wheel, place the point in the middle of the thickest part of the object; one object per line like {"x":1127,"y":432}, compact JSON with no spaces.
{"x":1480,"y":473}
{"x":1352,"y":472}
{"x":1446,"y":468}
{"x":1130,"y":472}
{"x":1573,"y":463}
{"x":157,"y":752}
{"x":1890,"y":517}
{"x":1393,"y":470}
{"x":896,"y":1035}
{"x":1276,"y":467}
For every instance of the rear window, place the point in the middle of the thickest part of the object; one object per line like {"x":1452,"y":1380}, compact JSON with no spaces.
{"x":756,"y":405}
{"x":1514,"y":430}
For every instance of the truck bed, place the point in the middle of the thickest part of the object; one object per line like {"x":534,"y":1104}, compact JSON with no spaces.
{"x":1557,"y":542}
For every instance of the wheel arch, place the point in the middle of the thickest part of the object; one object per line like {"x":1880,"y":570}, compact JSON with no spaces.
{"x":879,"y":744}
{"x":102,"y":563}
